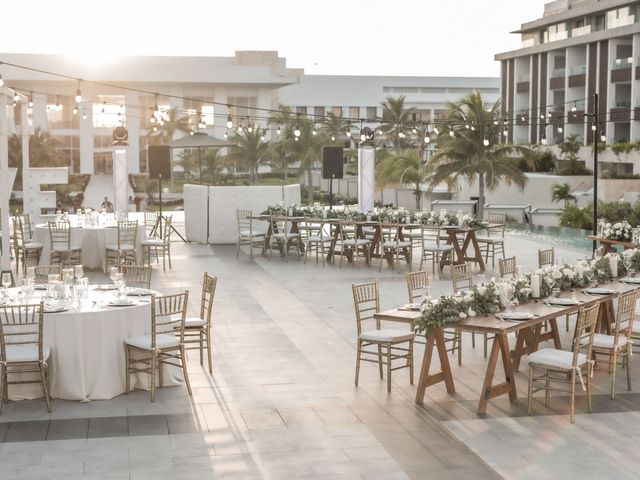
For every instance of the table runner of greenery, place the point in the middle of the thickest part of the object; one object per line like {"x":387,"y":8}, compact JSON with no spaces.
{"x":493,"y":296}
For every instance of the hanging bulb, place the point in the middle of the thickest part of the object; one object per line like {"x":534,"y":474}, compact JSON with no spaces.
{"x":427,"y":139}
{"x":548,"y":114}
{"x":437,"y":130}
{"x":485,"y":142}
{"x":451,"y":133}
{"x":226,"y":134}
{"x":560,"y":128}
{"x":278,"y":130}
{"x":603,"y":138}
{"x":473,"y":129}
{"x":593,"y":127}
{"x":296,"y":131}
{"x":296,"y":139}
{"x":505,"y":133}
{"x":30,"y":104}
{"x":152,"y":119}
{"x":84,"y":115}
{"x":155,"y":129}
{"x":543,"y":141}
{"x":1,"y":81}
{"x":523,"y":118}
{"x":401,"y":135}
{"x":574,"y":108}
{"x":191,"y":132}
{"x":75,"y":109}
{"x":16,"y":97}
{"x":333,"y":137}
{"x":466,"y":125}
{"x":262,"y":137}
{"x":314,"y":132}
{"x":414,"y":130}
{"x":78,"y":98}
{"x":379,"y":132}
{"x":250,"y":129}
{"x":495,"y":122}
{"x":349,"y":133}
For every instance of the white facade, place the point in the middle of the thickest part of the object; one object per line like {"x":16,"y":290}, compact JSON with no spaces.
{"x":250,"y":79}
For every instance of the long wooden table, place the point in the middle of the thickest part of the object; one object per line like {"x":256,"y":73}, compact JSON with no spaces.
{"x":608,"y":244}
{"x":460,"y":251}
{"x":529,"y":335}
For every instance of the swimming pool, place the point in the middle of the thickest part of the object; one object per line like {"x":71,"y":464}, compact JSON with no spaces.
{"x":560,"y":236}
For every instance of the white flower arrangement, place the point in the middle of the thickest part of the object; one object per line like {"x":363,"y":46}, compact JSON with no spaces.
{"x":621,"y":231}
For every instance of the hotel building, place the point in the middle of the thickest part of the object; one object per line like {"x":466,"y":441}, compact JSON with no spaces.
{"x":577,"y":49}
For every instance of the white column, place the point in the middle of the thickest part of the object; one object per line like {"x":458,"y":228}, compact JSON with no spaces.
{"x":87,"y":164}
{"x":120,"y":182}
{"x":133,"y":127}
{"x":27,"y":207}
{"x":5,"y":188}
{"x":366,"y":178}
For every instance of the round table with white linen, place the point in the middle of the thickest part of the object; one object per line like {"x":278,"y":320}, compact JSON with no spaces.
{"x":91,"y":239}
{"x":87,"y":359}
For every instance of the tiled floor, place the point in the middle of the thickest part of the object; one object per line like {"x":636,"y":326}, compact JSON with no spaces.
{"x":281,"y":402}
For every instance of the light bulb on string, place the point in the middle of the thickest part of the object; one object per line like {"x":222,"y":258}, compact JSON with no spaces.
{"x":574,"y":108}
{"x":262,"y":136}
{"x":505,"y":133}
{"x":379,"y":131}
{"x":84,"y":115}
{"x":427,"y":138}
{"x":155,"y":129}
{"x":78,"y":97}
{"x":560,"y":129}
{"x":278,"y":130}
{"x":593,"y":127}
{"x":543,"y":141}
{"x":473,"y":128}
{"x":333,"y":137}
{"x":485,"y":142}
{"x":191,"y":132}
{"x":296,"y":139}
{"x":152,"y":119}
{"x":75,"y":109}
{"x":603,"y":137}
{"x":1,"y":81}
{"x":414,"y":130}
{"x":401,"y":135}
{"x":226,"y":134}
{"x":452,"y":133}
{"x":523,"y":118}
{"x":249,"y":126}
{"x":30,"y":104}
{"x":314,"y":132}
{"x":467,"y":126}
{"x":296,"y":131}
{"x":349,"y":130}
{"x":437,"y":130}
{"x":239,"y":129}
{"x":16,"y":97}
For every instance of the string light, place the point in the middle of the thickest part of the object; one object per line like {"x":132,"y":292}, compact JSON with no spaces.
{"x":16,"y":97}
{"x":485,"y":142}
{"x":84,"y":115}
{"x":333,"y":137}
{"x":226,"y":134}
{"x":594,"y":127}
{"x":349,"y":129}
{"x":452,"y":133}
{"x":560,"y":129}
{"x":314,"y":132}
{"x":278,"y":130}
{"x":75,"y":109}
{"x":30,"y":104}
{"x":78,"y":97}
{"x":603,"y":137}
{"x":427,"y":138}
{"x":1,"y":81}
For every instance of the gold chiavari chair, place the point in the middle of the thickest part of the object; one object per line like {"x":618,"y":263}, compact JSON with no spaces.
{"x":165,"y":345}
{"x":151,"y":223}
{"x":546,"y":257}
{"x":62,"y":251}
{"x":282,"y":236}
{"x":198,"y":329}
{"x":392,"y":245}
{"x":125,"y":249}
{"x":462,"y":279}
{"x":136,"y":275}
{"x":508,"y":267}
{"x":433,"y":248}
{"x":351,"y":243}
{"x":490,"y":245}
{"x":618,"y":347}
{"x":160,"y":244}
{"x":366,"y":299}
{"x":42,"y":272}
{"x":315,"y":238}
{"x":22,"y":350}
{"x":560,"y":367}
{"x":246,"y":235}
{"x":25,"y":249}
{"x":416,"y":283}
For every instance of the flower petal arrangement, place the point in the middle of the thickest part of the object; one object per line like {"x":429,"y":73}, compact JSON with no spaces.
{"x":620,"y":231}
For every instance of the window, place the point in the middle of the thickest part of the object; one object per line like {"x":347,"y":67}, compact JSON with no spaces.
{"x":109,"y":112}
{"x":599,"y":23}
{"x":301,"y":110}
{"x":354,"y":112}
{"x":68,"y":146}
{"x":241,"y":107}
{"x":337,"y":111}
{"x":372,"y":113}
{"x":60,"y":113}
{"x":318,"y":111}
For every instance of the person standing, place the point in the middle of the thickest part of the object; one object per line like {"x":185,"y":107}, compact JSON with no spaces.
{"x":107,"y":205}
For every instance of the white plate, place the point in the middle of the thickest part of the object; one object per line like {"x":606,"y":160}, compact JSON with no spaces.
{"x":562,"y":301}
{"x":121,"y":303}
{"x":54,"y":309}
{"x":105,"y":287}
{"x":631,"y":280}
{"x":598,"y":291}
{"x":139,"y":292}
{"x":517,"y":315}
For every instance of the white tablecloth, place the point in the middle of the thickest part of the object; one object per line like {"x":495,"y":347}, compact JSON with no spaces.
{"x":87,"y":350}
{"x":92,"y":241}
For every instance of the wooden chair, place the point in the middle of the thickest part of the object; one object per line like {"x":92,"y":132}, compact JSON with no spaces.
{"x":508,"y":267}
{"x":492,"y":245}
{"x":366,"y":299}
{"x":282,"y":236}
{"x":165,"y":345}
{"x":393,"y":246}
{"x":315,"y":238}
{"x":125,"y":249}
{"x":351,"y":243}
{"x":136,"y":275}
{"x":546,"y":257}
{"x":22,"y":350}
{"x":416,"y":282}
{"x":160,"y":244}
{"x":560,"y":367}
{"x":62,"y":251}
{"x":198,"y":329}
{"x":151,"y":223}
{"x":617,"y":347}
{"x":246,"y":235}
{"x":25,"y":249}
{"x":462,"y":279}
{"x":433,"y":248}
{"x":42,"y":272}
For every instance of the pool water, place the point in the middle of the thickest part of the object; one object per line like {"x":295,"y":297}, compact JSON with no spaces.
{"x":560,"y":236}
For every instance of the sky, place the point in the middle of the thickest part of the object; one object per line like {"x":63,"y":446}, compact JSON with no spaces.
{"x":329,"y":37}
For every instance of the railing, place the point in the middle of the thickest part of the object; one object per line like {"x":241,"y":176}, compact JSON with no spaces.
{"x":578,"y":31}
{"x":620,"y":63}
{"x":554,"y":37}
{"x":524,"y":77}
{"x":529,"y":42}
{"x":621,"y":22}
{"x":578,"y":70}
{"x":558,"y":72}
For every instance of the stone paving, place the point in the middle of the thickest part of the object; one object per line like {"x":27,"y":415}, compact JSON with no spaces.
{"x":281,"y":402}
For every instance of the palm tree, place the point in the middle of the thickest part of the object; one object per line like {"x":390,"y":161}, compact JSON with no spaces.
{"x":188,"y":160}
{"x":335,"y":127}
{"x":407,"y":167}
{"x":163,"y":133}
{"x":394,"y":115}
{"x":475,"y":153}
{"x":280,"y":157}
{"x":562,"y":192}
{"x":308,"y":150}
{"x":251,"y":150}
{"x":213,"y":162}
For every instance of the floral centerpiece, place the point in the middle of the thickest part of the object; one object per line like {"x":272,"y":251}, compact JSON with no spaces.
{"x":621,"y":231}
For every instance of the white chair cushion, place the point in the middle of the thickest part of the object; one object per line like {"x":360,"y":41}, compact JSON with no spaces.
{"x":193,"y":322}
{"x":286,"y":235}
{"x":387,"y":335}
{"x":392,"y":244}
{"x":33,"y":245}
{"x":490,"y":239}
{"x":318,"y":238}
{"x":26,"y":353}
{"x":123,"y":247}
{"x":436,"y":248}
{"x":359,"y":241}
{"x":551,"y":357}
{"x":601,"y":340}
{"x":144,"y":341}
{"x":249,"y":233}
{"x":417,"y":234}
{"x":64,"y":250}
{"x":153,"y":241}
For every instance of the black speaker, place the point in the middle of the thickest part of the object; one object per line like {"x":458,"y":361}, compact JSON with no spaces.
{"x":332,"y":162}
{"x":159,"y":162}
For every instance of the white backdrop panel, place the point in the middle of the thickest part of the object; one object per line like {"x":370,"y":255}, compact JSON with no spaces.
{"x":195,"y":212}
{"x":223,"y":202}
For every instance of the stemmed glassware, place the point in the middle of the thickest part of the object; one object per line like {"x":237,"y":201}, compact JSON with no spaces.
{"x":627,"y":261}
{"x":6,"y":283}
{"x":588,"y":273}
{"x":550,"y":281}
{"x":78,"y":271}
{"x":113,"y":271}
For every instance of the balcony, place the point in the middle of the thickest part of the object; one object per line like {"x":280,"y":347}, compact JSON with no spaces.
{"x":522,"y":87}
{"x":554,"y":37}
{"x":576,"y":117}
{"x":579,"y":31}
{"x":577,"y":76}
{"x":620,"y":114}
{"x":620,"y":22}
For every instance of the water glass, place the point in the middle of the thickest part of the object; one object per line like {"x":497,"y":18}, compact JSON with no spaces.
{"x":31,"y":272}
{"x":67,"y":275}
{"x":113,"y":271}
{"x":426,"y":294}
{"x":6,"y":282}
{"x":78,"y":271}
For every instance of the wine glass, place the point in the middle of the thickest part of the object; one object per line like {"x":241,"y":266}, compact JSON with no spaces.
{"x":78,"y":271}
{"x":588,"y":273}
{"x":6,"y":283}
{"x":550,"y":281}
{"x":113,"y":271}
{"x":626,"y":261}
{"x":31,"y":273}
{"x":426,"y":294}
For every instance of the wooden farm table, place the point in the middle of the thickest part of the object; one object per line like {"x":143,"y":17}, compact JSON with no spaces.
{"x":460,"y":251}
{"x":267,"y":237}
{"x":529,"y":335}
{"x":608,"y":244}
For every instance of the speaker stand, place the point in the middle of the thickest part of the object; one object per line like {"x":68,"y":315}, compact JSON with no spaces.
{"x":160,"y":201}
{"x":331,"y":191}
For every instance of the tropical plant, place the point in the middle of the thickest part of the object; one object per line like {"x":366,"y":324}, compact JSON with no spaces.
{"x":163,"y":131}
{"x":561,"y":192}
{"x":335,"y":127}
{"x":395,"y":118}
{"x":280,"y":157}
{"x":408,"y":167}
{"x":307,"y":149}
{"x":576,"y":217}
{"x":188,"y":160}
{"x":569,"y":149}
{"x":213,"y":164}
{"x":250,"y":150}
{"x":476,"y":153}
